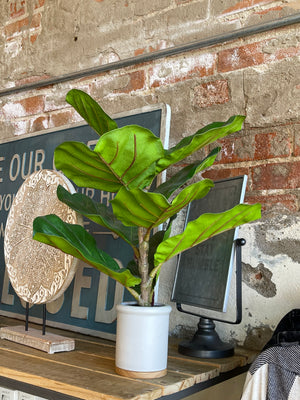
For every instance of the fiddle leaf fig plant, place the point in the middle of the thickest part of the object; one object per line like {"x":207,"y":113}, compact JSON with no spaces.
{"x":126,"y":161}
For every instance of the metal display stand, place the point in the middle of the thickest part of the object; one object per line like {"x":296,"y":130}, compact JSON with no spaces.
{"x":206,"y":343}
{"x":38,"y":339}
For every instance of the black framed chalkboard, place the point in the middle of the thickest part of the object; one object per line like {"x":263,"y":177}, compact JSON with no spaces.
{"x":88,"y":305}
{"x":203,"y":273}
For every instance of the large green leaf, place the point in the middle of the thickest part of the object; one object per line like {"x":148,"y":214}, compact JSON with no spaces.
{"x":205,"y":227}
{"x":201,"y":138}
{"x":179,"y":179}
{"x":74,"y":240}
{"x":84,"y":167}
{"x":140,"y":208}
{"x":122,"y":157}
{"x":91,"y":111}
{"x":131,"y":152}
{"x":98,"y":213}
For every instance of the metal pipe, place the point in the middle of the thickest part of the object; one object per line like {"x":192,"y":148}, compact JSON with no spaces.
{"x":211,"y":41}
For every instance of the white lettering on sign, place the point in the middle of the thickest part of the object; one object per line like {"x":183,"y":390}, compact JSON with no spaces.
{"x":92,"y":143}
{"x":87,"y":191}
{"x":80,"y":281}
{"x":106,"y":197}
{"x":6,"y":201}
{"x":14,"y":168}
{"x":2,"y":230}
{"x":101,"y":314}
{"x":1,"y":168}
{"x":26,"y":164}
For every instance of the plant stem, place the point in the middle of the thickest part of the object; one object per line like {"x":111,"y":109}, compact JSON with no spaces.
{"x":134,"y":293}
{"x":144,"y":267}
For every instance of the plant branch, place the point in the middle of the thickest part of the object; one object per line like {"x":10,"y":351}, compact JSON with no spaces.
{"x":144,"y":267}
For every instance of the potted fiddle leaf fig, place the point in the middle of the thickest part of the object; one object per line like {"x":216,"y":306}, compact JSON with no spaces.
{"x":126,"y":161}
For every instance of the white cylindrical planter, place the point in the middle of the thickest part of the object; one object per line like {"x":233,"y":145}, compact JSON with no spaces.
{"x":142,"y":340}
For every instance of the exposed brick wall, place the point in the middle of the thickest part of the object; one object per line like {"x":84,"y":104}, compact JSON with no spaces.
{"x":206,"y":82}
{"x":257,"y":76}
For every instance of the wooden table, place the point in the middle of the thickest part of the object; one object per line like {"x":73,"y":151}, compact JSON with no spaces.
{"x":88,"y":372}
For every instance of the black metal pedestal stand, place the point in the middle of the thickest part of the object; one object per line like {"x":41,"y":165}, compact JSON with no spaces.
{"x":206,"y":343}
{"x":44,"y":318}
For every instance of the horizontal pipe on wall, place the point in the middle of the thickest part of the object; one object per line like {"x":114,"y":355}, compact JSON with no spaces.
{"x":211,"y":41}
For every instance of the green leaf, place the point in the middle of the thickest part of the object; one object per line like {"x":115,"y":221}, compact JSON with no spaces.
{"x":179,"y":179}
{"x":136,"y":207}
{"x":98,"y":213}
{"x":205,"y":227}
{"x":201,"y":138}
{"x":123,"y":157}
{"x":84,"y":167}
{"x":74,"y":240}
{"x":91,"y":111}
{"x":131,"y":153}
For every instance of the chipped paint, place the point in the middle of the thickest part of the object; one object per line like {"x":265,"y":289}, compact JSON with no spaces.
{"x":13,"y":110}
{"x":181,"y":68}
{"x":259,"y":279}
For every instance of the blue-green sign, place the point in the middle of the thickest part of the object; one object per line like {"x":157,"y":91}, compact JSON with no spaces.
{"x":88,"y":305}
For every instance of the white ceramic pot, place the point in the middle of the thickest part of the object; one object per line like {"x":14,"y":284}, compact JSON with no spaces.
{"x":142,"y":340}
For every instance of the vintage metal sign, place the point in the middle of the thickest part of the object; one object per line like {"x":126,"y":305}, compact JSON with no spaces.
{"x":89,"y":304}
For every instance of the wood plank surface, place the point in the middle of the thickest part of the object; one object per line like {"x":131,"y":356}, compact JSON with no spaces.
{"x":88,"y":372}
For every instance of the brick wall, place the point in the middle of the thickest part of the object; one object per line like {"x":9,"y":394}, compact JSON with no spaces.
{"x":257,"y":76}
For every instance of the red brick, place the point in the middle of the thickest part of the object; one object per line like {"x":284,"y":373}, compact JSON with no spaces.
{"x":138,"y":52}
{"x":270,"y":145}
{"x":17,"y":8}
{"x":276,"y":176}
{"x":288,"y":52}
{"x":150,"y":49}
{"x":244,"y":4}
{"x":16,"y":27}
{"x":180,"y":70}
{"x":39,"y":124}
{"x":296,"y":151}
{"x":33,"y":105}
{"x":224,"y":173}
{"x":272,"y":9}
{"x":136,"y":82}
{"x":35,"y":21}
{"x":288,"y":201}
{"x":211,"y":93}
{"x":39,"y":3}
{"x":31,"y":79}
{"x":62,"y":118}
{"x":240,"y":57}
{"x":33,"y":37}
{"x":236,"y":148}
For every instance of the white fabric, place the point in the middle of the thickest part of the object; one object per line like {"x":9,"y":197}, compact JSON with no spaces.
{"x":274,"y":375}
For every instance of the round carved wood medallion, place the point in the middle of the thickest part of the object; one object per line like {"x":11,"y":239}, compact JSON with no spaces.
{"x":38,"y":273}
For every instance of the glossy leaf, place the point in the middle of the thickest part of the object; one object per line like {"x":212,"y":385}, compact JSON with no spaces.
{"x":83,"y":166}
{"x":76,"y":241}
{"x":179,"y":179}
{"x":131,"y":153}
{"x":201,"y":138}
{"x":91,"y":111}
{"x":205,"y":227}
{"x":123,"y":157}
{"x":137,"y":207}
{"x":98,"y":213}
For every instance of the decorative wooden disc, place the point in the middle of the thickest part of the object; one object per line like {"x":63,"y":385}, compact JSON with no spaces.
{"x":38,"y":273}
